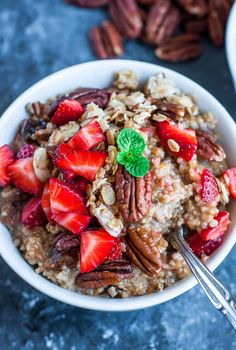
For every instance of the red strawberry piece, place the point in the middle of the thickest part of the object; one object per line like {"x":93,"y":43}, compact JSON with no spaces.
{"x":79,"y":184}
{"x":83,"y":163}
{"x":6,"y":158}
{"x":67,"y":111}
{"x":46,"y":205}
{"x":68,"y":175}
{"x":23,"y":176}
{"x":200,"y":247}
{"x":95,"y":247}
{"x":87,"y":137}
{"x":185,"y":138}
{"x":209,"y":189}
{"x":33,"y":214}
{"x":73,"y":222}
{"x":116,"y":251}
{"x":230,"y":177}
{"x":64,"y":199}
{"x":213,"y":232}
{"x":26,"y":151}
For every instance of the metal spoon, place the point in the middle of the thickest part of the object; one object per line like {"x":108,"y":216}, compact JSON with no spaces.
{"x":219,"y":296}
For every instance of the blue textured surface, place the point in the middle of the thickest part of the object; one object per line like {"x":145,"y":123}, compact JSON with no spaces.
{"x":36,"y":39}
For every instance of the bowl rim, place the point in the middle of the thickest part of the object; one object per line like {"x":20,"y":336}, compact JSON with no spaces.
{"x":95,"y":302}
{"x":231,"y":42}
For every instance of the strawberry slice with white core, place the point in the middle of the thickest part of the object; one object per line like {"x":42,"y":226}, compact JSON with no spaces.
{"x":209,"y":189}
{"x":211,"y":233}
{"x":64,"y":199}
{"x":230,"y":179}
{"x":6,"y":158}
{"x":87,"y":137}
{"x":95,"y":247}
{"x":67,"y":110}
{"x":83,"y":163}
{"x":184,"y":140}
{"x":33,"y":214}
{"x":46,"y":202}
{"x":23,"y":176}
{"x":73,"y":222}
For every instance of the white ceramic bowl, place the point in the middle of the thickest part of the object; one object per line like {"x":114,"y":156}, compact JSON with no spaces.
{"x":231,"y":42}
{"x":99,"y":74}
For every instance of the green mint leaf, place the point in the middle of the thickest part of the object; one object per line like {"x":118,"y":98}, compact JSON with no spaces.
{"x":130,"y":141}
{"x":139,"y":167}
{"x":125,"y":158}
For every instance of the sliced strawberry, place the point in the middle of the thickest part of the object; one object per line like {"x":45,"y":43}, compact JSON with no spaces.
{"x":23,"y":175}
{"x":214,"y":232}
{"x":116,"y":251}
{"x":83,"y":163}
{"x":67,"y":111}
{"x":79,"y":184}
{"x":230,"y":177}
{"x":94,"y":248}
{"x":6,"y":158}
{"x":64,"y":199}
{"x":200,"y":247}
{"x":87,"y":137}
{"x":209,"y":189}
{"x":46,"y":202}
{"x":73,"y":222}
{"x":26,"y":151}
{"x":33,"y":214}
{"x":185,"y":138}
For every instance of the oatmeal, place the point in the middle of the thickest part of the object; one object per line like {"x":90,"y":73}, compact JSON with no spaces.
{"x":96,"y":180}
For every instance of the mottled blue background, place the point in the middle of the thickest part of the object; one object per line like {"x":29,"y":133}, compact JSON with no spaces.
{"x":36,"y":39}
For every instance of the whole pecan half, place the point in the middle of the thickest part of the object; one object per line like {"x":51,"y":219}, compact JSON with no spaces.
{"x":109,"y":273}
{"x":217,"y":17}
{"x":63,"y":244}
{"x":134,"y":194}
{"x":106,"y":41}
{"x":194,"y":7}
{"x":88,"y":3}
{"x":126,"y":17}
{"x":180,"y":48}
{"x":171,"y":110}
{"x":142,"y":249}
{"x":208,"y":148}
{"x":84,"y":96}
{"x":162,"y":22}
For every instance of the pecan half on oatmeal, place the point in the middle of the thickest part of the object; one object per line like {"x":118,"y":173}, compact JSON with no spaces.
{"x":208,"y":148}
{"x":142,"y":249}
{"x":134,"y":194}
{"x":109,"y":273}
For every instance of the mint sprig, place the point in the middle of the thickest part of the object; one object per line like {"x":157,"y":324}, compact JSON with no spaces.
{"x":131,"y":146}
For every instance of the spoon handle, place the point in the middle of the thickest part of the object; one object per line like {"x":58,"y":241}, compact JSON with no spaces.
{"x":219,"y":296}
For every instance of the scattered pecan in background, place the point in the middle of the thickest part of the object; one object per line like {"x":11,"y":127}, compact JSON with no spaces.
{"x":106,"y":41}
{"x":109,"y":273}
{"x":180,"y":48}
{"x":155,"y":22}
{"x":142,"y":248}
{"x":133,"y":194}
